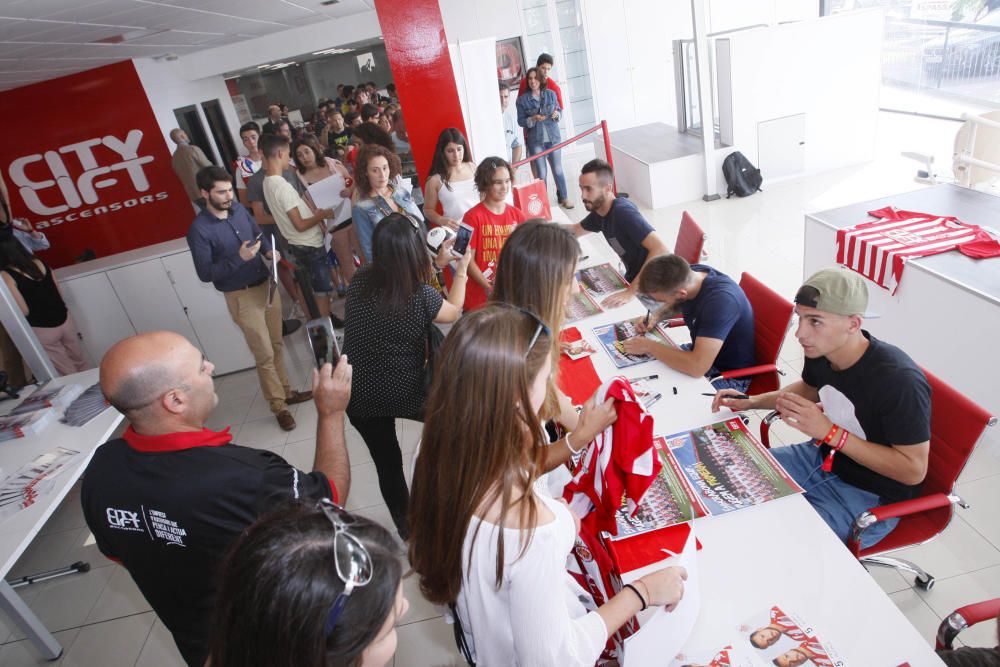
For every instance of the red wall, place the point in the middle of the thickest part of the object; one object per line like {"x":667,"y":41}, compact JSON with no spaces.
{"x":86,"y":163}
{"x":421,"y":69}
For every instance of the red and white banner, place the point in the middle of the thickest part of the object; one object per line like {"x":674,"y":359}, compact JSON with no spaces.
{"x":85,"y":162}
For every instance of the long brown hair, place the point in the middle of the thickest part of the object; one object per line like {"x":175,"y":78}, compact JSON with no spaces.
{"x":481,"y":443}
{"x":534,"y":272}
{"x":368,"y":152}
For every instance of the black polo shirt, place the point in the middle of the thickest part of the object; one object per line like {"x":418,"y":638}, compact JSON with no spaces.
{"x":168,"y":508}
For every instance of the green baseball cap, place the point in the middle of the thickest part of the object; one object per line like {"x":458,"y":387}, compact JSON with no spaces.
{"x":839,"y":291}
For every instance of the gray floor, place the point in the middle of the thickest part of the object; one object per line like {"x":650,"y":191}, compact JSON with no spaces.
{"x":656,"y":142}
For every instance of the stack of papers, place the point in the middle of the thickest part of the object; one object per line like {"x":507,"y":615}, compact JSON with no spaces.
{"x":24,"y":425}
{"x":88,"y":405}
{"x":22,"y":489}
{"x":58,"y":397}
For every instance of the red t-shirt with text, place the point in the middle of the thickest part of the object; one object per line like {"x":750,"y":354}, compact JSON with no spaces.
{"x":490,"y":232}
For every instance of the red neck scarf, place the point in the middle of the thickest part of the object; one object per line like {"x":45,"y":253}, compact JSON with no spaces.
{"x":175,"y":442}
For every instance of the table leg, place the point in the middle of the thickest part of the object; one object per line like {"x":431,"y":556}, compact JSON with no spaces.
{"x":28,"y":623}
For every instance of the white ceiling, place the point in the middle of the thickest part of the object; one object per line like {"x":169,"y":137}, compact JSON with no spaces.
{"x":45,"y":39}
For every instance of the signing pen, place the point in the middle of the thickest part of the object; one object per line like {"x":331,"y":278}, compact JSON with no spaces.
{"x":652,"y":400}
{"x":646,"y":323}
{"x":739,"y":396}
{"x":644,"y":378}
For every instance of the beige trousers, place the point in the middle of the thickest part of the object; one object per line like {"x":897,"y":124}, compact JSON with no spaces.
{"x":63,"y":346}
{"x":261,"y":326}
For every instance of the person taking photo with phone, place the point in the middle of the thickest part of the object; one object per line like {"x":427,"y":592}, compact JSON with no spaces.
{"x":390,"y":307}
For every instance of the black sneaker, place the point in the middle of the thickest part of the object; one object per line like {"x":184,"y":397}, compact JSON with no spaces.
{"x":290,"y":327}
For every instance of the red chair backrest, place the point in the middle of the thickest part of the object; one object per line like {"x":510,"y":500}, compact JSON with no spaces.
{"x":690,"y":240}
{"x":772,"y":314}
{"x":957,"y":423}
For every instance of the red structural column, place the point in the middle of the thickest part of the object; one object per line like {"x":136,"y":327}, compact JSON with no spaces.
{"x":421,"y":69}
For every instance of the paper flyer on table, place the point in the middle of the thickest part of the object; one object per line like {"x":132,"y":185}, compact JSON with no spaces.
{"x":612,"y":337}
{"x":601,"y":280}
{"x":662,"y":633}
{"x":727,"y":656}
{"x":326,"y":194}
{"x":778,"y":636}
{"x":22,"y":489}
{"x":728,"y":468}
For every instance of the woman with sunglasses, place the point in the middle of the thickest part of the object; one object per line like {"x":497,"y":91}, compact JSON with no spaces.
{"x":492,"y":221}
{"x":390,"y":305}
{"x":485,"y":536}
{"x":309,"y":586}
{"x":537,"y":272}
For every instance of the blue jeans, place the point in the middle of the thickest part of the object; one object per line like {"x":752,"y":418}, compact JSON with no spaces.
{"x":838,"y":502}
{"x":555,"y":161}
{"x":739,"y":384}
{"x":313,"y":262}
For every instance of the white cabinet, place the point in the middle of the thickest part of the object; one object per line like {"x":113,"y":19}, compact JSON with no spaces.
{"x":781,"y":146}
{"x":99,"y":315}
{"x":150,"y":299}
{"x":154,"y":289}
{"x":221,"y":340}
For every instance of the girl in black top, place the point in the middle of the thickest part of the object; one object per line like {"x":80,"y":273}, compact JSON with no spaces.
{"x":390,"y":305}
{"x":30,"y":282}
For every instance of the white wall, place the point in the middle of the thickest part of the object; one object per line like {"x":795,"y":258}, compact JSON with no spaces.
{"x":466,"y":20}
{"x":733,"y":14}
{"x":167,"y":89}
{"x":474,"y":63}
{"x":828,"y":69}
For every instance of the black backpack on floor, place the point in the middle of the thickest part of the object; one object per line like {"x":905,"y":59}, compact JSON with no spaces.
{"x":742,"y":178}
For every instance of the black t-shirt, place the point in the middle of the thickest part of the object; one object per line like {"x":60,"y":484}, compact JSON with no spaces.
{"x":885,"y":399}
{"x":625,"y":229}
{"x":170,"y":517}
{"x":341,"y":138}
{"x":387,"y":350}
{"x":721,"y":311}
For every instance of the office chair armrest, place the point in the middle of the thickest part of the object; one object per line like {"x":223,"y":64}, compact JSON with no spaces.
{"x":673,"y":322}
{"x":745,"y":372}
{"x":765,"y":427}
{"x":896,"y":510}
{"x":965,"y":617}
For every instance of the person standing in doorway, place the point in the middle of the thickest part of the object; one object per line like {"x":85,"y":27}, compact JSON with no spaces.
{"x":187,"y":161}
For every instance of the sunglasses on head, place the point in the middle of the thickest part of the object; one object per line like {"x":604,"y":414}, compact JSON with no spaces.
{"x":350,"y":557}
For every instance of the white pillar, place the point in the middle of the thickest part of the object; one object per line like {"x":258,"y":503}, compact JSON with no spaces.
{"x":699,"y":11}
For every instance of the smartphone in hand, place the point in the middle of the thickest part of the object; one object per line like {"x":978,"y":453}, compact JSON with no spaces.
{"x":463,"y":236}
{"x":322,"y":341}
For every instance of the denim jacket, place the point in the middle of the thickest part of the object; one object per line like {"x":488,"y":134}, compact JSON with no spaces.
{"x":528,"y":106}
{"x":369,"y":211}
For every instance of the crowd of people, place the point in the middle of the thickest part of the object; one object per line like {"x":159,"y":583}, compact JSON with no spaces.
{"x":274,"y":571}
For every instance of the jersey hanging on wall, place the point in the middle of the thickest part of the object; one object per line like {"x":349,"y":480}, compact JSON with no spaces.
{"x":879,"y":250}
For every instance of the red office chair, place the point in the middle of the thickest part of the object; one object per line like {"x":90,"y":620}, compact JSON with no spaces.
{"x":690,"y":240}
{"x":957,"y":424}
{"x":963,"y":618}
{"x":772,"y":314}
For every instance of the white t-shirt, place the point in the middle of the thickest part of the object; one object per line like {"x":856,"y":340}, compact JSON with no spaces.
{"x":281,"y":197}
{"x":245,"y":168}
{"x":536,"y":618}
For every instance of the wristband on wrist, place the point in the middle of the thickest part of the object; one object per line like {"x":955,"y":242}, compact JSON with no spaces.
{"x":842,"y":441}
{"x":574,"y":452}
{"x":829,"y":436}
{"x":638,"y":595}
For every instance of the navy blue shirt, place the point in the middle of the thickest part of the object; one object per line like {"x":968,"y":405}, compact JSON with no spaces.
{"x":721,"y":311}
{"x":215,"y":247}
{"x":625,"y":229}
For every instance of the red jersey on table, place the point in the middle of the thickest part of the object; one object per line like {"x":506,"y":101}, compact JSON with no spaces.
{"x":490,"y":232}
{"x":878,"y":250}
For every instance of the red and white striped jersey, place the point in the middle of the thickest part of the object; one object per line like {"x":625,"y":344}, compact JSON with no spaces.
{"x":878,"y":250}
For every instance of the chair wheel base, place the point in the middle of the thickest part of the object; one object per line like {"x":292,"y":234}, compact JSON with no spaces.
{"x":924,"y":585}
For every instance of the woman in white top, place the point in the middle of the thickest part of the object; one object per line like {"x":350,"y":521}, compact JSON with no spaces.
{"x":452,"y":180}
{"x":313,"y":167}
{"x":483,"y":534}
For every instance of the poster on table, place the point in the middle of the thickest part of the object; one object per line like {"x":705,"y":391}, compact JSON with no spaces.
{"x":581,"y":305}
{"x":601,"y":280}
{"x":99,"y":181}
{"x":779,"y":636}
{"x":728,"y":468}
{"x":613,"y":337}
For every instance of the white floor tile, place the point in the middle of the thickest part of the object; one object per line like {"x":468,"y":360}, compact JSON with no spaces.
{"x":24,"y":654}
{"x":301,"y":454}
{"x":68,"y":516}
{"x":46,"y":552}
{"x":264,"y":432}
{"x":950,"y":594}
{"x":7,"y":627}
{"x":918,"y":613}
{"x":121,"y":597}
{"x":957,"y":550}
{"x":888,"y":579}
{"x":159,"y":649}
{"x":427,"y":644}
{"x":356,"y":447}
{"x":420,"y":609}
{"x":364,"y":487}
{"x":116,"y":643}
{"x":983,"y":496}
{"x":64,"y":603}
{"x":985,"y":459}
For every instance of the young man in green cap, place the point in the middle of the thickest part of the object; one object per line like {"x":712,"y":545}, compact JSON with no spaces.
{"x":864,"y":404}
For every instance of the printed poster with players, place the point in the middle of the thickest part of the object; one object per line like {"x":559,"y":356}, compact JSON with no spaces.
{"x":613,"y":337}
{"x":728,"y":468}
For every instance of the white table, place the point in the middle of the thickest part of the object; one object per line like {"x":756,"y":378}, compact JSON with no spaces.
{"x":17,"y":532}
{"x":780,"y":552}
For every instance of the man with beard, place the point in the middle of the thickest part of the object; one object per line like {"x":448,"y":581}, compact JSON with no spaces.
{"x":715,"y":310}
{"x":624,"y":228}
{"x":228,"y":248}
